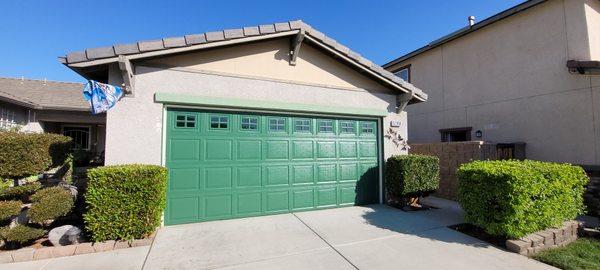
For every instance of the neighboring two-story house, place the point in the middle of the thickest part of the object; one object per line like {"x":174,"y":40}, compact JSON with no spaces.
{"x":528,"y":74}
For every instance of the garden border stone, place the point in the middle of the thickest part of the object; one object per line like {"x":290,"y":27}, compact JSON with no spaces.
{"x":546,"y":239}
{"x":29,"y":254}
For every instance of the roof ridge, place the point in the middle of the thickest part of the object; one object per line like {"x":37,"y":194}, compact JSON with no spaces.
{"x":37,"y":80}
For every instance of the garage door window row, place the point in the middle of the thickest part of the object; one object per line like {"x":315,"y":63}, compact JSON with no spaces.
{"x":277,"y":125}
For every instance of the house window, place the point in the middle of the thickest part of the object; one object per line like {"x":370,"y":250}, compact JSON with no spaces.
{"x":347,"y":126}
{"x":81,"y":135}
{"x":185,"y":121}
{"x":456,"y":134}
{"x":7,"y":118}
{"x":326,"y":126}
{"x":219,"y":122}
{"x":366,"y":128}
{"x":277,"y":124}
{"x":249,"y":123}
{"x":404,"y":73}
{"x":302,"y":125}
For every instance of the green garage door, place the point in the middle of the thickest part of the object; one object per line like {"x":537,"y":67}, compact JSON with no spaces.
{"x":226,"y":165}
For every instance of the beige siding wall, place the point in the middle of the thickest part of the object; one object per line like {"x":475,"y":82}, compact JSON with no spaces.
{"x":510,"y":80}
{"x":134,"y":125}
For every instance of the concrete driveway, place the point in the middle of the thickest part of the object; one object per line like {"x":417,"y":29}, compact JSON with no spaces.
{"x":374,"y":237}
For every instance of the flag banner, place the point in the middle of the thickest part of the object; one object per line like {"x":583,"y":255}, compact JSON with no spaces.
{"x":101,"y":96}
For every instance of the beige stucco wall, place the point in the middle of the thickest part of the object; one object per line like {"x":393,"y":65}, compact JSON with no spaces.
{"x":270,"y":60}
{"x":592,"y":16}
{"x":134,"y":125}
{"x":510,"y":80}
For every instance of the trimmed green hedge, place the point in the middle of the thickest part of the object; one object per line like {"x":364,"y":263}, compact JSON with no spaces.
{"x":49,"y":204}
{"x":513,"y":198}
{"x":411,"y":175}
{"x":124,"y":202}
{"x":24,"y":154}
{"x":20,"y":193}
{"x":9,"y":209}
{"x":20,"y":234}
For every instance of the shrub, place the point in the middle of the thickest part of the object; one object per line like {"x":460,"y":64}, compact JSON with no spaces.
{"x":5,"y":183}
{"x":411,"y":175}
{"x":513,"y":198}
{"x":9,"y":209}
{"x":124,"y":202}
{"x":50,"y":203}
{"x":24,"y":154}
{"x":20,"y":234}
{"x":19,"y":192}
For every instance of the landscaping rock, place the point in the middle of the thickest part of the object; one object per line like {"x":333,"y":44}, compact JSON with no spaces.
{"x":104,"y":246}
{"x":5,"y":257}
{"x":42,"y":253}
{"x":72,"y":189}
{"x":62,"y":251}
{"x":84,"y":248}
{"x":64,"y":235}
{"x":22,"y":255}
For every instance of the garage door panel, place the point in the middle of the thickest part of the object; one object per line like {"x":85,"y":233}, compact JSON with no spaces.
{"x":303,"y":174}
{"x":249,"y":203}
{"x":302,"y":150}
{"x":221,"y":168}
{"x":249,"y":150}
{"x":184,"y":179}
{"x":218,"y":178}
{"x":216,"y":206}
{"x":277,"y":175}
{"x":219,"y":150}
{"x":249,"y":176}
{"x":277,"y":201}
{"x":185,"y":149}
{"x":277,"y":149}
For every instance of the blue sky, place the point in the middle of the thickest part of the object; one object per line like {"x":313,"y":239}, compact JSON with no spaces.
{"x":35,"y":33}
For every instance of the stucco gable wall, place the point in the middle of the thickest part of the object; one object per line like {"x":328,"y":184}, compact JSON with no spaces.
{"x":592,"y":15}
{"x":270,"y":60}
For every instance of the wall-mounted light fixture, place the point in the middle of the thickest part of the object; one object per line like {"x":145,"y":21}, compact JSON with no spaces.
{"x":478,"y":134}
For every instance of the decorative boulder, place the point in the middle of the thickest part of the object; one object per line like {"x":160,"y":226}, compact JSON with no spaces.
{"x":72,"y":189}
{"x":64,"y":235}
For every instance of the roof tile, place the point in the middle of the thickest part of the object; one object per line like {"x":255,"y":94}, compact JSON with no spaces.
{"x":215,"y":36}
{"x":298,"y":24}
{"x":280,"y":27}
{"x":130,"y":48}
{"x":44,"y":94}
{"x":151,"y":45}
{"x":195,"y":39}
{"x":174,"y":42}
{"x":251,"y":31}
{"x":75,"y":57}
{"x":102,"y":52}
{"x":234,"y":33}
{"x":266,"y":28}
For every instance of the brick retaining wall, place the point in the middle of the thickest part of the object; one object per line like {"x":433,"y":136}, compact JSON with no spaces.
{"x":553,"y":237}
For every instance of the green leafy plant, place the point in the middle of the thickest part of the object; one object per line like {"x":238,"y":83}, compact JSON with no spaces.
{"x":513,"y":198}
{"x":411,"y":176}
{"x":20,"y":234}
{"x":124,"y":202}
{"x":49,"y":204}
{"x":20,"y":193}
{"x":25,"y":154}
{"x":9,"y":209}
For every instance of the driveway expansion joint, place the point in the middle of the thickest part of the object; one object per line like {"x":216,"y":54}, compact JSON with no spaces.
{"x":330,"y":245}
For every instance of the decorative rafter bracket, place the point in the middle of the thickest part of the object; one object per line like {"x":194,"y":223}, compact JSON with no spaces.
{"x":295,"y":46}
{"x":127,"y":73}
{"x":402,"y":101}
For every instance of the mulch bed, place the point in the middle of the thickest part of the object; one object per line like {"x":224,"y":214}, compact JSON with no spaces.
{"x":479,"y":233}
{"x":410,"y":208}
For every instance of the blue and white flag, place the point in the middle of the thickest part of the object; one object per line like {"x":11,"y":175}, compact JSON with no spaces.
{"x":101,"y":96}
